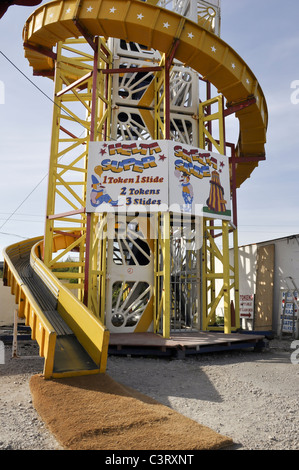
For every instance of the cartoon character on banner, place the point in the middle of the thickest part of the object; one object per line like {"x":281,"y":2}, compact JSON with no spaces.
{"x":98,"y":194}
{"x":187,"y":189}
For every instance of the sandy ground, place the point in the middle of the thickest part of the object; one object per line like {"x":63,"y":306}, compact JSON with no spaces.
{"x":251,"y":397}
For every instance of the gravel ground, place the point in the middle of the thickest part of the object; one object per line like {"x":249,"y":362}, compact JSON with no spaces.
{"x":251,"y":397}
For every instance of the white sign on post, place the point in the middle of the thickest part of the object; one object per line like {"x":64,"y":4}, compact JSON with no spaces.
{"x":289,"y":312}
{"x":157,"y":176}
{"x":2,"y":353}
{"x":247,"y":306}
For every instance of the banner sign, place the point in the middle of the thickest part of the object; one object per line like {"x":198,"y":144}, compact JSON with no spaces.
{"x":157,"y":176}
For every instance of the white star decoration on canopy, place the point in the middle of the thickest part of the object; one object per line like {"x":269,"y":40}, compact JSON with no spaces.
{"x":166,"y":25}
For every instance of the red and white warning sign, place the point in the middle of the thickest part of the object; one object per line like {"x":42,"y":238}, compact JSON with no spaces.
{"x":247,"y":306}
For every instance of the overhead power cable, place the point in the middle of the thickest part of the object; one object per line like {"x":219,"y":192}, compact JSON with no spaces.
{"x":20,"y":205}
{"x":52,"y":101}
{"x":38,"y":88}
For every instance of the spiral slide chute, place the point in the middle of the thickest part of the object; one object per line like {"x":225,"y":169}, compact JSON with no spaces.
{"x":160,"y":29}
{"x":71,"y":339}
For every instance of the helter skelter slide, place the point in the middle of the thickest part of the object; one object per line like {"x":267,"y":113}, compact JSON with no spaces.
{"x":142,"y":183}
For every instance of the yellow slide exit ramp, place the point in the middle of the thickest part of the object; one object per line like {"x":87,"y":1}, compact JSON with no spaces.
{"x":70,"y":338}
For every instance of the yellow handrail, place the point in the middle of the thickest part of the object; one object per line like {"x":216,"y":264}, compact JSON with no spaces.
{"x":88,"y":329}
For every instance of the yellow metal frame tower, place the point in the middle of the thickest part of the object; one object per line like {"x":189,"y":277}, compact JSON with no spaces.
{"x":82,"y":79}
{"x":69,"y":42}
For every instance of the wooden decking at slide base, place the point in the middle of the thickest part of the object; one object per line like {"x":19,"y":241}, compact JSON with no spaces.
{"x":206,"y":53}
{"x":181,"y":344}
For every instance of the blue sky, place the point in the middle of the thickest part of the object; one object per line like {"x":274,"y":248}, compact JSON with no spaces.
{"x":264,"y":33}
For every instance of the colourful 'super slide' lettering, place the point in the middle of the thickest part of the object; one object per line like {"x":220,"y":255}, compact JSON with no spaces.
{"x":125,"y":149}
{"x":129,"y":164}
